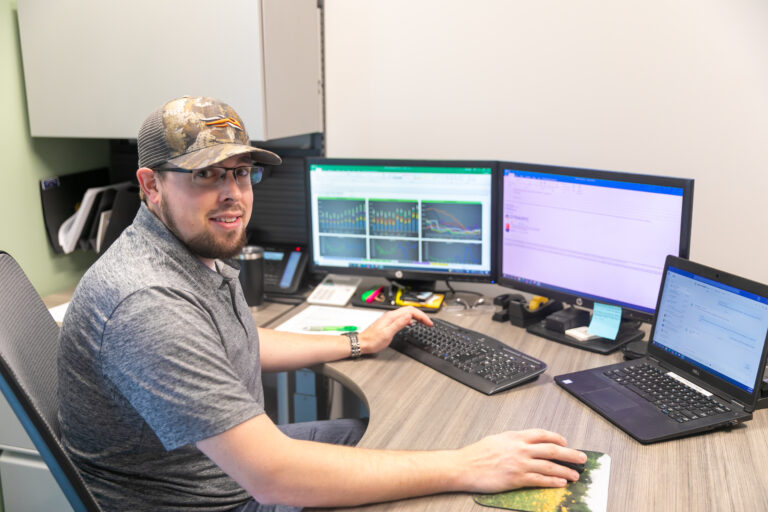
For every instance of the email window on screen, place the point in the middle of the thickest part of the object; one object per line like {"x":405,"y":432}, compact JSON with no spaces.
{"x":716,"y":327}
{"x":566,"y":232}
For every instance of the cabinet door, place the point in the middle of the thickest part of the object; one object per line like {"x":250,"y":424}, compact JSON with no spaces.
{"x":28,"y":486}
{"x":12,"y":434}
{"x":96,"y":69}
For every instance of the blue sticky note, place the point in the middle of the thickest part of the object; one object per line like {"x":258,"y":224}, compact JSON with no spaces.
{"x":605,"y":321}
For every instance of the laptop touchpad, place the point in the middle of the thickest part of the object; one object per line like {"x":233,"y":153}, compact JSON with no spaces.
{"x":609,"y":399}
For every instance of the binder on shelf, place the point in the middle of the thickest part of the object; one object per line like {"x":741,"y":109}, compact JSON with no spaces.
{"x":61,"y":195}
{"x":103,"y":203}
{"x":124,"y":209}
{"x":73,"y":229}
{"x":92,"y":221}
{"x":104,"y":218}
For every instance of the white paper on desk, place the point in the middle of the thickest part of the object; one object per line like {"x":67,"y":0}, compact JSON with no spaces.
{"x":57,"y":312}
{"x":329,"y":316}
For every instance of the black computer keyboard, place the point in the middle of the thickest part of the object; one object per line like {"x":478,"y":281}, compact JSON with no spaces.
{"x":472,"y":358}
{"x":673,"y":398}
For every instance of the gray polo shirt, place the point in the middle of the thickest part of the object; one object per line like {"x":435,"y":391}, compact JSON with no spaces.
{"x":157,"y":352}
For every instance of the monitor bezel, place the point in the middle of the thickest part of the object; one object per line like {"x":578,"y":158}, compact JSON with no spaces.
{"x":686,"y":184}
{"x":407,"y":274}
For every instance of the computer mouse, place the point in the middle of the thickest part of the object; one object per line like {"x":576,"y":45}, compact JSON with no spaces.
{"x":579,"y":468}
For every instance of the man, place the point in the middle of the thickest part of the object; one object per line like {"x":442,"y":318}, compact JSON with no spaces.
{"x":160,"y":364}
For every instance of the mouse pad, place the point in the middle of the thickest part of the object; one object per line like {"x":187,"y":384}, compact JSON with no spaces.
{"x":588,"y":494}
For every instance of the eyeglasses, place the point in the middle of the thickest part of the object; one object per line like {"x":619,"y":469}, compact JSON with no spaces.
{"x":211,"y":177}
{"x":460,"y":306}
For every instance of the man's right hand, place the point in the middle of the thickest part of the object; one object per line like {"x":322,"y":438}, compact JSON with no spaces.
{"x":511,"y":460}
{"x":379,"y":335}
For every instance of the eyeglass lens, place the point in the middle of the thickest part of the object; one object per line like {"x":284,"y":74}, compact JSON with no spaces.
{"x":246,"y":175}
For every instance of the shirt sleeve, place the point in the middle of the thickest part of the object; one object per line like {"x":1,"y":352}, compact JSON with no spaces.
{"x":163,"y":352}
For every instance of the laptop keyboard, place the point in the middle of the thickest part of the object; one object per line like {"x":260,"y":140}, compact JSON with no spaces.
{"x":680,"y":402}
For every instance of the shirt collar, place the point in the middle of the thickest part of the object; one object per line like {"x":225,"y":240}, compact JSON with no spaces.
{"x":168,"y":243}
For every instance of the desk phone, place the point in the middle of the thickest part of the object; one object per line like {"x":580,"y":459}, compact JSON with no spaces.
{"x":284,"y":269}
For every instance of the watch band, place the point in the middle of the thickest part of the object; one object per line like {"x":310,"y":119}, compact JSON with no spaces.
{"x":354,"y":344}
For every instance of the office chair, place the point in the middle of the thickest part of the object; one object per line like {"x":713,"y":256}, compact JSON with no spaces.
{"x":29,"y":378}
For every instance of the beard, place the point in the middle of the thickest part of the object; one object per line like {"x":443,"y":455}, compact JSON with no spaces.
{"x":205,"y":245}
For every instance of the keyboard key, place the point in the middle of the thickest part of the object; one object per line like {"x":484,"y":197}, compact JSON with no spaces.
{"x":670,"y":396}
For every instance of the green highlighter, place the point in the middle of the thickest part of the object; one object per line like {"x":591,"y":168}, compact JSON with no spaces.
{"x":342,"y":328}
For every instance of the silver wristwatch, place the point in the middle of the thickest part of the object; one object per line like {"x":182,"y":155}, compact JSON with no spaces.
{"x":354,"y":344}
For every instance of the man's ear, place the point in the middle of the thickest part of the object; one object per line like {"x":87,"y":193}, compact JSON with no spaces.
{"x":148,"y":181}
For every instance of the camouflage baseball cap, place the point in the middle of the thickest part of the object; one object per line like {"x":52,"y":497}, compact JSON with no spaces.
{"x":195,"y":132}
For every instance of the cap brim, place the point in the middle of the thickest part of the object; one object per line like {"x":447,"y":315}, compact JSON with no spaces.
{"x":213,"y":155}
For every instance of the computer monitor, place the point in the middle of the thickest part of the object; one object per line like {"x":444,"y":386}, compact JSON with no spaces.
{"x":583,"y":236}
{"x":406,"y":220}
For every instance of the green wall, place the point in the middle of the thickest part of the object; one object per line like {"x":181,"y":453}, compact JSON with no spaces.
{"x":23,"y":162}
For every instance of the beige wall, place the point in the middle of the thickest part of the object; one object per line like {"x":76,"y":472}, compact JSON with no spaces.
{"x":670,"y":87}
{"x":24,"y":162}
{"x":664,"y":87}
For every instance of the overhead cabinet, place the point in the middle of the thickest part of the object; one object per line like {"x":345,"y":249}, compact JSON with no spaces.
{"x":96,"y":69}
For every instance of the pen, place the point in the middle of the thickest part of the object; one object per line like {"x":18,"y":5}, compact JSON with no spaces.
{"x":346,"y":328}
{"x":375,"y":293}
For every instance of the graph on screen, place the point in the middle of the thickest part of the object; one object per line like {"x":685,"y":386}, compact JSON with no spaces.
{"x":452,"y":252}
{"x":394,"y":218}
{"x":452,"y":220}
{"x":342,"y":247}
{"x":394,"y":250}
{"x":343,"y":216}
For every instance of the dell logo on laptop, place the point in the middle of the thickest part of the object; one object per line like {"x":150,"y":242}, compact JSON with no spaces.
{"x":695,"y":371}
{"x":579,"y":302}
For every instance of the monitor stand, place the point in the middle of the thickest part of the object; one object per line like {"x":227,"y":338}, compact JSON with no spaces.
{"x":628,"y":331}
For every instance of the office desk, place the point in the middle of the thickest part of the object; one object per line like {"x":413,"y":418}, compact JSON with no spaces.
{"x":414,"y":407}
{"x":269,"y":312}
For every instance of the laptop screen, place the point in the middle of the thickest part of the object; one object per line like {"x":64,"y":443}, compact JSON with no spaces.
{"x":711,"y":325}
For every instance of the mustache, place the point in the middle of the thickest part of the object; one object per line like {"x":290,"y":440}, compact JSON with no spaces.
{"x":235,"y":208}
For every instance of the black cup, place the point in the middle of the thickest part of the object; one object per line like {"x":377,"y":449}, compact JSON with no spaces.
{"x":252,"y":274}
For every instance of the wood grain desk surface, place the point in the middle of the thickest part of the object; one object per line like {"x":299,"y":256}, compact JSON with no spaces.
{"x":414,"y":407}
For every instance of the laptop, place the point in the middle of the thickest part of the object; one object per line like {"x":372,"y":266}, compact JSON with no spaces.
{"x":705,"y":360}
